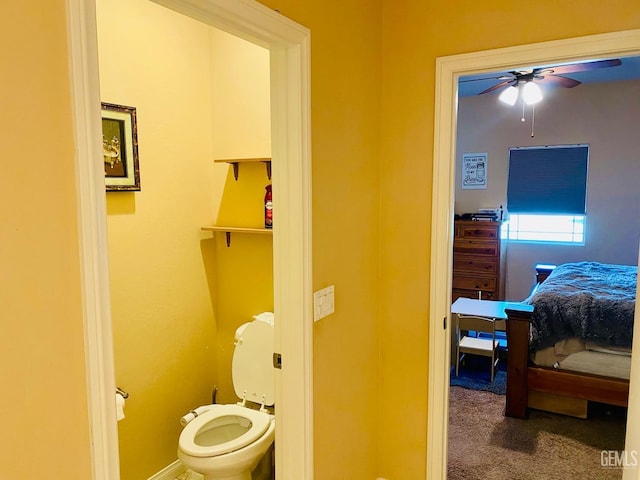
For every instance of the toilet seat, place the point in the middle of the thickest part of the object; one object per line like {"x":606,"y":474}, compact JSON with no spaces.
{"x":221,"y":416}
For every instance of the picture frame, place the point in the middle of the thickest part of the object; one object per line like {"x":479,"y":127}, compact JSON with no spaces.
{"x":474,"y":171}
{"x":120,"y":148}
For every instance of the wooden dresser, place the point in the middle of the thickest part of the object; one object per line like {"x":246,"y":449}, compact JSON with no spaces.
{"x":478,"y":260}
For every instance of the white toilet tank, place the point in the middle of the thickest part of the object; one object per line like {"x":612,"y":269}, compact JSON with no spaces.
{"x":252,"y":366}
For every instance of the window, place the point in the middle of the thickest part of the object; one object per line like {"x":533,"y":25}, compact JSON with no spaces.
{"x":545,"y":228}
{"x":546,"y":194}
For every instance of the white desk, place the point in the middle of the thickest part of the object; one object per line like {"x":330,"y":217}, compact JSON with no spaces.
{"x":487,"y":309}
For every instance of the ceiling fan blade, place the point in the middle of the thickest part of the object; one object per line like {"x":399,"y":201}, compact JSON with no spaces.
{"x":496,"y":87}
{"x":582,"y":67}
{"x":559,"y":81}
{"x":501,"y":77}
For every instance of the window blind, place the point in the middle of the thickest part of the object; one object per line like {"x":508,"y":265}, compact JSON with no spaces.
{"x":548,"y":180}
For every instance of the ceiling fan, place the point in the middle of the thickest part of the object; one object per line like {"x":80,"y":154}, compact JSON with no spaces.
{"x":548,"y":75}
{"x":523,"y":83}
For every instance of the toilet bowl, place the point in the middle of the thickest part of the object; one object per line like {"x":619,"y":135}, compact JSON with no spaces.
{"x":226,"y":442}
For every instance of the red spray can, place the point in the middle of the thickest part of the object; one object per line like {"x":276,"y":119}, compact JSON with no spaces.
{"x":268,"y":208}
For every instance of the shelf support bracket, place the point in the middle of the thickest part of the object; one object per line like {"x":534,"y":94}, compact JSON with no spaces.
{"x":236,"y":164}
{"x":228,"y":235}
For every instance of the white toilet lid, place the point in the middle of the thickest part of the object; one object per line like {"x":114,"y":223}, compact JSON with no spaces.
{"x":252,"y":365}
{"x":240,"y":427}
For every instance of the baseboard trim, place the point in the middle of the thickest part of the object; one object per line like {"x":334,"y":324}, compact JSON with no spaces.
{"x":170,"y":472}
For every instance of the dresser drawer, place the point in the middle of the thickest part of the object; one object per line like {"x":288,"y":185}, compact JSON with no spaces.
{"x":478,"y":260}
{"x":474,"y":283}
{"x":473,"y":263}
{"x":477,"y":247}
{"x":484,"y":295}
{"x":478,"y":230}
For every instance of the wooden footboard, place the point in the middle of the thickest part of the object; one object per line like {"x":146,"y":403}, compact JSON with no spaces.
{"x":612,"y":391}
{"x":517,"y":362}
{"x":523,"y":378}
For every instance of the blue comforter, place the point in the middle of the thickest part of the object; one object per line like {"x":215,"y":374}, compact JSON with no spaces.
{"x":588,"y":300}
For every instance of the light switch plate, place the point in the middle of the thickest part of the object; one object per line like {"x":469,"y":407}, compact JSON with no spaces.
{"x":323,"y":303}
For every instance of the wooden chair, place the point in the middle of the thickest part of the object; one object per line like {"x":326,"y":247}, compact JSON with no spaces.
{"x":476,"y":345}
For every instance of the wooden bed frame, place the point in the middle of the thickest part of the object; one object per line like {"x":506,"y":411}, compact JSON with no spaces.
{"x":546,"y":388}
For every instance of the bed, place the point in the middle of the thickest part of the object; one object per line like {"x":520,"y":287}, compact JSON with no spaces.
{"x":576,"y":345}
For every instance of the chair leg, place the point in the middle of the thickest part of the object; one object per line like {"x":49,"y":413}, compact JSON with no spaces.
{"x":493,"y":361}
{"x":494,"y":351}
{"x":493,"y":365}
{"x":457,"y":346}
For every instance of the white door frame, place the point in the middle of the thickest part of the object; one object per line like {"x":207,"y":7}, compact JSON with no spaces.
{"x":289,"y":46}
{"x":448,"y":70}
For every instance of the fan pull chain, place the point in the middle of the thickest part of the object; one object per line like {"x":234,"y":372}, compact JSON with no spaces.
{"x":522,"y":119}
{"x":533,"y":119}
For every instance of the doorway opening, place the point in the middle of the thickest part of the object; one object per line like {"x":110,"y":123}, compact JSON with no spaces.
{"x":288,"y":44}
{"x":448,"y":71}
{"x":178,"y":293}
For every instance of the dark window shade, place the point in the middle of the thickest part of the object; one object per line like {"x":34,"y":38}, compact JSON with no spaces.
{"x":548,"y":180}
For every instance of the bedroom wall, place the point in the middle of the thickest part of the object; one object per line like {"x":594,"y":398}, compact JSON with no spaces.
{"x":600,"y":115}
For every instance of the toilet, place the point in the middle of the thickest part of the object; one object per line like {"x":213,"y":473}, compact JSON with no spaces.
{"x":226,"y":442}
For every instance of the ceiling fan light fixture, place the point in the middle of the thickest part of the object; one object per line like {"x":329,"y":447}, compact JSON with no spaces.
{"x":531,"y":93}
{"x":509,"y":96}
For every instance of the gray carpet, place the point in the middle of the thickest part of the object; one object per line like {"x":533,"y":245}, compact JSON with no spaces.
{"x":485,"y":445}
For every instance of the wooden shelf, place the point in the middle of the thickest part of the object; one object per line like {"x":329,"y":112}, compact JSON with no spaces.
{"x":237,"y":161}
{"x":229,"y":230}
{"x":218,"y":228}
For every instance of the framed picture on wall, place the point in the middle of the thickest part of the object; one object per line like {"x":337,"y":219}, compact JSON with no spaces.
{"x":120,"y":148}
{"x":474,"y":171}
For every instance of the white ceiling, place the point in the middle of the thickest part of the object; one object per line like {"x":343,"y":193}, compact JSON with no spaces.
{"x":630,"y":69}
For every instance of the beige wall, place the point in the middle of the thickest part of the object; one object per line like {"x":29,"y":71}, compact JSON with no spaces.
{"x":178,"y":294}
{"x":372,"y":143}
{"x":600,"y":115}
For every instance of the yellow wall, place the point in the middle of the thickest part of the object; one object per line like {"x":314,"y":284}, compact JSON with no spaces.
{"x":163,"y":319}
{"x":241,"y":128}
{"x":178,"y":294}
{"x":372,"y":142}
{"x":42,"y":368}
{"x":415,"y":33}
{"x":345,"y":119}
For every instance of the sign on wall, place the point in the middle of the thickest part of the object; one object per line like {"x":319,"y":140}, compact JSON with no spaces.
{"x":474,"y":171}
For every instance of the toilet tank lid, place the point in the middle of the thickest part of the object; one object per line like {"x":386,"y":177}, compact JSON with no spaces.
{"x":266,"y":317}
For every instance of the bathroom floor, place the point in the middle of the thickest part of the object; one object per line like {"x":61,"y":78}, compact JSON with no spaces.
{"x":189,"y":475}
